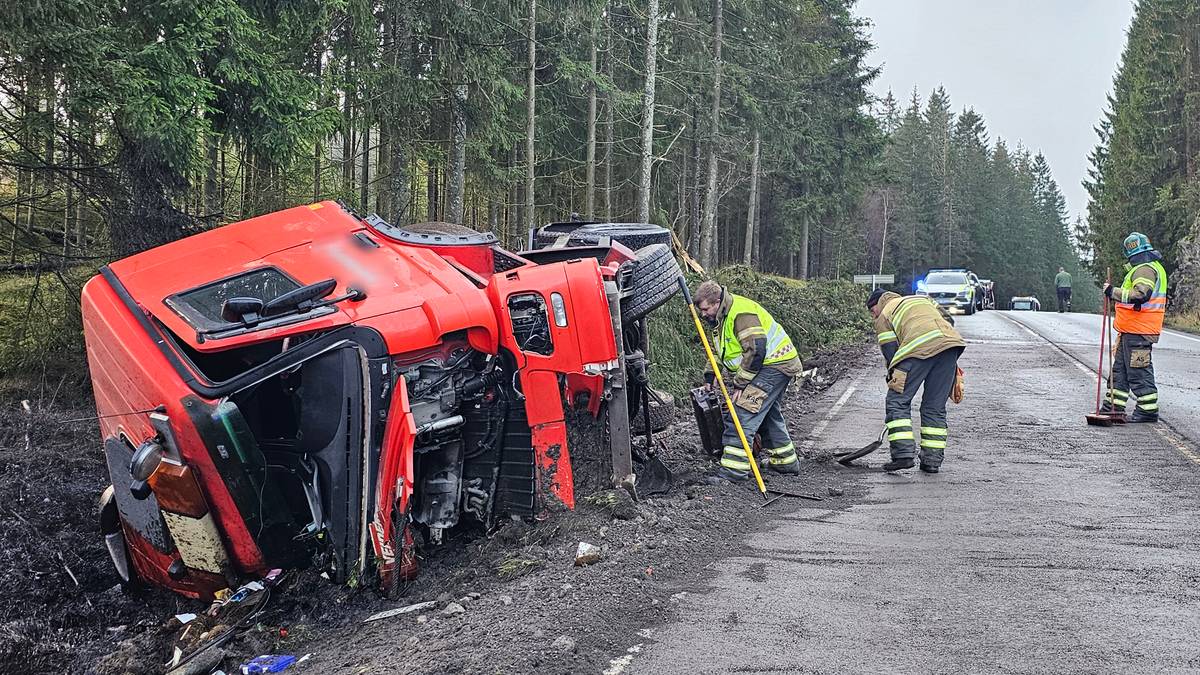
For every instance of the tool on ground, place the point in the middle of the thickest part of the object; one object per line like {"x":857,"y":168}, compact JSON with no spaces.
{"x":1098,"y":418}
{"x":779,"y":494}
{"x":655,"y":477}
{"x":712,"y":361}
{"x":847,"y":458}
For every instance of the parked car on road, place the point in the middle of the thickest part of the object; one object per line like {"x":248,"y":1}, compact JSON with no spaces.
{"x":956,"y":289}
{"x":1025,"y":303}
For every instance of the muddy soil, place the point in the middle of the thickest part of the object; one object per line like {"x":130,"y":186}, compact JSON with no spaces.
{"x":508,"y":601}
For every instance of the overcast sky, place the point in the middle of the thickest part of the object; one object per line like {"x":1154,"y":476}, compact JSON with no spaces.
{"x":1037,"y":70}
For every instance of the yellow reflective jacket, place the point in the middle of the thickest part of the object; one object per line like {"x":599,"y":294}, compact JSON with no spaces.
{"x":913,"y":327}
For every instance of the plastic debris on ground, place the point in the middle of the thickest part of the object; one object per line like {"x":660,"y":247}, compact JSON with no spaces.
{"x":400,"y":610}
{"x":267,"y":663}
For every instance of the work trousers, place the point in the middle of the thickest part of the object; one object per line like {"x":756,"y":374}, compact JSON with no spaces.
{"x":1064,"y":298}
{"x":760,"y":410}
{"x":936,"y":375}
{"x":1133,"y":376}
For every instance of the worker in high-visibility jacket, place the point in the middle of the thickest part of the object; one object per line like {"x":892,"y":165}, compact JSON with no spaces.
{"x":921,"y":349}
{"x":758,"y":361}
{"x":1141,"y":304}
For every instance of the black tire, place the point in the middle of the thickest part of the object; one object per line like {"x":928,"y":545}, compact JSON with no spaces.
{"x":652,"y":280}
{"x":661,"y":414}
{"x":971,"y":308}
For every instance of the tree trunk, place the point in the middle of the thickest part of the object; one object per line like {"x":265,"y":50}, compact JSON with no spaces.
{"x":650,"y":80}
{"x":609,"y":120}
{"x":431,"y":193}
{"x":212,"y":196}
{"x":348,"y":137}
{"x":589,"y":198}
{"x":752,"y":207}
{"x":530,"y":116}
{"x":708,"y":234}
{"x":804,"y":222}
{"x":456,"y":178}
{"x":694,"y":200}
{"x":364,"y":199}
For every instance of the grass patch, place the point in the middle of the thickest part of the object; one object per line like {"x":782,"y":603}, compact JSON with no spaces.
{"x":817,"y":314}
{"x":516,"y":566}
{"x":40,"y":326}
{"x":1188,"y":323}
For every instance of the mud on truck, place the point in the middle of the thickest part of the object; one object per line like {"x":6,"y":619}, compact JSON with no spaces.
{"x":313,"y":388}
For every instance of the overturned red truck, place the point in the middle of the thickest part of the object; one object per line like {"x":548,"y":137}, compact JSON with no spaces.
{"x":310,"y":387}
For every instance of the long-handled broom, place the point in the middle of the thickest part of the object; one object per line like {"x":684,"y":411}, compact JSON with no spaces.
{"x":1098,"y":418}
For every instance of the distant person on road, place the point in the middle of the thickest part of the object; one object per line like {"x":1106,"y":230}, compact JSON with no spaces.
{"x":921,"y":349}
{"x":1141,"y":304}
{"x":758,"y":362}
{"x":1062,"y":286}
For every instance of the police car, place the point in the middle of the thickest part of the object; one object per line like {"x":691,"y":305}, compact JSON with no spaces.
{"x":956,"y":289}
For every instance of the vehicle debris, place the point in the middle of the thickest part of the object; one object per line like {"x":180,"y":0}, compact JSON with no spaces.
{"x":267,"y":663}
{"x":400,"y":610}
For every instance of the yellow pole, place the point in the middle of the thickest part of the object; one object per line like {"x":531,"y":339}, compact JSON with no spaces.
{"x":712,"y":362}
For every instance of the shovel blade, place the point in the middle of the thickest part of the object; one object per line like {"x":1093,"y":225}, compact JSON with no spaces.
{"x":845,"y":459}
{"x":654,"y":478}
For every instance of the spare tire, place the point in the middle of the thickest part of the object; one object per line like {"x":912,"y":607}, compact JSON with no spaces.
{"x":661,"y":414}
{"x":652,"y":279}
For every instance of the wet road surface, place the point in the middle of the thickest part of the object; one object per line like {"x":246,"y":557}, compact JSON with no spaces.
{"x":1044,"y":545}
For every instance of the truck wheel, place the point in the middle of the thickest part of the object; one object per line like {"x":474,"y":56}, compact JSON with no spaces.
{"x":653,"y":279}
{"x":971,"y":308}
{"x":661,"y":414}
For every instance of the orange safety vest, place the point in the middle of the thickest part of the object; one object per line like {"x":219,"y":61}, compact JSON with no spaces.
{"x":1148,"y":319}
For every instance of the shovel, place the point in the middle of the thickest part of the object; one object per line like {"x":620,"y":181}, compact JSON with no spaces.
{"x":655,"y":477}
{"x":848,"y":457}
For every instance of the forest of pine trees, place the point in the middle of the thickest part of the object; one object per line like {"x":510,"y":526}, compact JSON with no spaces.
{"x":1145,"y":172}
{"x":745,"y":126}
{"x":947,"y":195}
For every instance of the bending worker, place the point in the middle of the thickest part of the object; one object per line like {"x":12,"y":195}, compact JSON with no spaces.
{"x":1141,"y":305}
{"x":758,"y":362}
{"x":921,"y":349}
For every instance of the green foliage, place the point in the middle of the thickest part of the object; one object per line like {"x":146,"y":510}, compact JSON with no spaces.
{"x":817,"y":315}
{"x":961,"y":200}
{"x":1144,"y":169}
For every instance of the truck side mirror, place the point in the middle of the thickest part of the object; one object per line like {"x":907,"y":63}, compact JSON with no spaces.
{"x":242,"y":310}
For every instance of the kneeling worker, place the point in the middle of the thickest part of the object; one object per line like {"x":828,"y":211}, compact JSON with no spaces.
{"x":921,"y":349}
{"x":753,"y":347}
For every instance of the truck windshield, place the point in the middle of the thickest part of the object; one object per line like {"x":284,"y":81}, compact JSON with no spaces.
{"x":201,"y":306}
{"x":946,"y":279}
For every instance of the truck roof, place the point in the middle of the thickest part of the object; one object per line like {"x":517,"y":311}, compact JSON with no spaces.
{"x":292,"y":248}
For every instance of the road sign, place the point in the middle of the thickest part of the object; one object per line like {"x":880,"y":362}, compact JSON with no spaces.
{"x":875,"y":279}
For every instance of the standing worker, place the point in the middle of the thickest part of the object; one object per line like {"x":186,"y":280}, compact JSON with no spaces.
{"x":1062,"y":286}
{"x":1141,"y":305}
{"x":921,"y":349}
{"x":752,"y":346}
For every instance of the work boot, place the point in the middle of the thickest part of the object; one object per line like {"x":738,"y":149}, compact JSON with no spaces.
{"x":929,"y":468}
{"x":790,"y":469}
{"x":899,"y":463}
{"x":724,"y":473}
{"x":1139,"y":416}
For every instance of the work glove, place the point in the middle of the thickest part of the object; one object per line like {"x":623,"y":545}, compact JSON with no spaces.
{"x":709,"y":378}
{"x":1108,"y":291}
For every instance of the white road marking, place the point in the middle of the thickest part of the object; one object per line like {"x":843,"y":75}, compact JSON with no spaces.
{"x":1088,"y":371}
{"x":833,"y":411}
{"x":1185,"y":336}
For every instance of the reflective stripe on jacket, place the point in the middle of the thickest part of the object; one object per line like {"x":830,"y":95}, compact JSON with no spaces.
{"x":1146,"y":318}
{"x":779,"y":346}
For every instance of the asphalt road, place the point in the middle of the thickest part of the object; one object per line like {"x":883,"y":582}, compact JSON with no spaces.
{"x":1045,"y":545}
